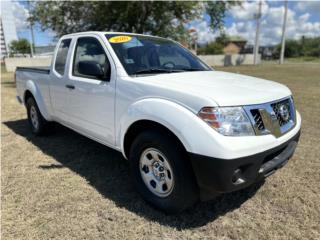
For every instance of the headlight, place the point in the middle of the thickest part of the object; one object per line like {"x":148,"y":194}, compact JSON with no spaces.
{"x":229,"y":121}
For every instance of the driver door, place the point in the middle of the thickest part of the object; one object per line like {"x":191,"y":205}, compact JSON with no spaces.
{"x":91,"y":99}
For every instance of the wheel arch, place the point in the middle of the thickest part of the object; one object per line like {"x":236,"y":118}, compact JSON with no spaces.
{"x":33,"y":91}
{"x":27,"y":95}
{"x":143,"y":125}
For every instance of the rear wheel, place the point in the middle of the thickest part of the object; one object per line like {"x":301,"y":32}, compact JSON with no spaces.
{"x":36,"y":121}
{"x":162,"y":172}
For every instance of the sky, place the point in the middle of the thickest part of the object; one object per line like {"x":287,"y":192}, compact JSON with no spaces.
{"x":303,"y":20}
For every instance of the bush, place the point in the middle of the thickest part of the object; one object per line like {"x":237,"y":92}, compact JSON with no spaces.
{"x":211,"y":48}
{"x":311,"y":46}
{"x":304,"y":47}
{"x":21,"y":46}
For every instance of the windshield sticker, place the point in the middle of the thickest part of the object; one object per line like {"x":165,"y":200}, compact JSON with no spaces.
{"x":129,"y":61}
{"x":120,"y":39}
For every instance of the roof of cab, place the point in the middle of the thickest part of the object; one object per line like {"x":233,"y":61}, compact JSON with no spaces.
{"x":102,"y":32}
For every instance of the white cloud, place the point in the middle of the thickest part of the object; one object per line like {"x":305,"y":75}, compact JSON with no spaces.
{"x":305,"y":17}
{"x":308,"y":6}
{"x":21,"y":15}
{"x":271,"y":23}
{"x":205,"y":34}
{"x":248,"y":10}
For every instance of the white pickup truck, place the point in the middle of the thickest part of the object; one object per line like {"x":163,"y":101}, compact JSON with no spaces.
{"x":189,"y":132}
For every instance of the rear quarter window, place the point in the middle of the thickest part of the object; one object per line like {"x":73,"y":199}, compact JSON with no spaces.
{"x":61,"y":57}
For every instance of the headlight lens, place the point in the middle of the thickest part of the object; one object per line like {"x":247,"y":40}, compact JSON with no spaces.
{"x":229,"y":121}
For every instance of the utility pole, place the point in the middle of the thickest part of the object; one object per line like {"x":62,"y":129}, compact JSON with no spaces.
{"x":32,"y":36}
{"x":283,"y":38}
{"x":195,"y":43}
{"x":194,"y":36}
{"x":256,"y":44}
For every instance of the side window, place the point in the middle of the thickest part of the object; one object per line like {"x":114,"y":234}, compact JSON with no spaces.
{"x":61,"y":57}
{"x":89,"y":52}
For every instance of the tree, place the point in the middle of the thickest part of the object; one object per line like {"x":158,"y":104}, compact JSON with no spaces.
{"x":21,"y":46}
{"x":311,"y":46}
{"x":305,"y":47}
{"x":211,"y":49}
{"x":223,"y":39}
{"x":217,"y":10}
{"x":162,"y":18}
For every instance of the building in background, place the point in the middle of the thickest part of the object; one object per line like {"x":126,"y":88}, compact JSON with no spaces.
{"x":234,"y":45}
{"x":8,"y":31}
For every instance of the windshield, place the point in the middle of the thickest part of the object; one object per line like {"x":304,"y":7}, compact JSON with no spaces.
{"x":152,"y":55}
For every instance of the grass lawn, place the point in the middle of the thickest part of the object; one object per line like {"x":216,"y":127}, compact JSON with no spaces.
{"x":65,"y":186}
{"x":298,"y":60}
{"x":303,"y":59}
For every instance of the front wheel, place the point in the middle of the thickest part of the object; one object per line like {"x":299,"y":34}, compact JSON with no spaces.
{"x":162,"y":172}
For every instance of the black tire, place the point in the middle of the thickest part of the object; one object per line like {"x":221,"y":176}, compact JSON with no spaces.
{"x":32,"y":108}
{"x":185,"y":191}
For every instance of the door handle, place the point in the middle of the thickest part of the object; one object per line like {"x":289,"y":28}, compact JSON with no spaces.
{"x":70,"y":86}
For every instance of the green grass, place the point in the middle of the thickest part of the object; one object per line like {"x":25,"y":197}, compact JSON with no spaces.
{"x":299,"y":60}
{"x":303,"y":59}
{"x":65,"y":186}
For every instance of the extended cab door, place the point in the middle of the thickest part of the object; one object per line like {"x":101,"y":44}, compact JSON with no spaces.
{"x":59,"y":78}
{"x":90,"y":97}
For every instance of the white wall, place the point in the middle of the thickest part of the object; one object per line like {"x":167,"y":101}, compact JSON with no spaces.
{"x":12,"y":63}
{"x":229,"y":60}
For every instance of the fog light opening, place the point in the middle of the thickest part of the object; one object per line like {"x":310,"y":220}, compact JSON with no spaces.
{"x":237,"y":177}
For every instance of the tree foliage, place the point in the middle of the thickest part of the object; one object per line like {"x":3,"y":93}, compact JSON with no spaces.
{"x":21,"y":46}
{"x":304,"y":47}
{"x":163,"y":18}
{"x":217,"y":10}
{"x":215,"y":47}
{"x":211,"y":49}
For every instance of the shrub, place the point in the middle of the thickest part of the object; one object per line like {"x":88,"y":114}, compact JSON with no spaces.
{"x":211,"y":48}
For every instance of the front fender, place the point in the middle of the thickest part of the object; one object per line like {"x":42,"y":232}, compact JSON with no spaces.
{"x":196,"y":135}
{"x":34,"y":89}
{"x":184,"y":123}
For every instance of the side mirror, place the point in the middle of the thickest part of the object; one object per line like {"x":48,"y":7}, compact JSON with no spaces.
{"x":90,"y":68}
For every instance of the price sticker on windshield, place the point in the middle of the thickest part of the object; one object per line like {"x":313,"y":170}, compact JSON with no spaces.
{"x":120,"y":39}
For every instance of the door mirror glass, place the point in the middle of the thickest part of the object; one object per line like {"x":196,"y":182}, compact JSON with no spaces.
{"x":90,"y":68}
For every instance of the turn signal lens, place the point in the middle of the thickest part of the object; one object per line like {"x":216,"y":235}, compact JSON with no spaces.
{"x":208,"y":115}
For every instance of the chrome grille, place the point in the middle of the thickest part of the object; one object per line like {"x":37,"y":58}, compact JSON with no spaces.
{"x":275,"y":118}
{"x":257,"y":119}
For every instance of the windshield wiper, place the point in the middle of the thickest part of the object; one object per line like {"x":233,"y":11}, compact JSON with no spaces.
{"x":191,"y":69}
{"x":165,"y":70}
{"x":157,"y":70}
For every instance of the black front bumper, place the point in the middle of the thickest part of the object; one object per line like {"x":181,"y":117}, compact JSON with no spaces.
{"x":215,"y":176}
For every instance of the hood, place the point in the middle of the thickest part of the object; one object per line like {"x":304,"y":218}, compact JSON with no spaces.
{"x":226,"y":89}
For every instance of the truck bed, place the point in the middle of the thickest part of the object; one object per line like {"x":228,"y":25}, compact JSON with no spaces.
{"x":43,"y":70}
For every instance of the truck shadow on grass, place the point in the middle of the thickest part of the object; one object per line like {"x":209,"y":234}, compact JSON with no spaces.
{"x":108,"y":172}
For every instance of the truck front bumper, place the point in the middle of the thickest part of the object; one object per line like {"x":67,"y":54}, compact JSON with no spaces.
{"x":215,"y":176}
